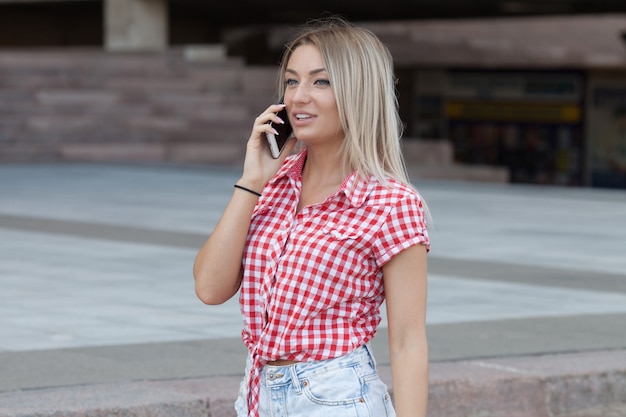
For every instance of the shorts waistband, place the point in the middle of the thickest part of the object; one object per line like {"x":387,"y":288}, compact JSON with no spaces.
{"x":272,"y":375}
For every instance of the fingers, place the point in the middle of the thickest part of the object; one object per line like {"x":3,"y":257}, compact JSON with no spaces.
{"x":261,"y":123}
{"x":259,"y":165}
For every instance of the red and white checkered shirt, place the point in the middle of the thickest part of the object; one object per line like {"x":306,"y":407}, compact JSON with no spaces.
{"x":312,"y":281}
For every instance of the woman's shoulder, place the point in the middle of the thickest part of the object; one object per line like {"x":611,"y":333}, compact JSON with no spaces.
{"x":393,"y":190}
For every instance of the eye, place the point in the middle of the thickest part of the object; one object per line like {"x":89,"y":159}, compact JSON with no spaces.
{"x":290,"y":81}
{"x":322,"y":81}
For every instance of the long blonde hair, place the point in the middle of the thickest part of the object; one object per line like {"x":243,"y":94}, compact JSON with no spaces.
{"x":360,"y":69}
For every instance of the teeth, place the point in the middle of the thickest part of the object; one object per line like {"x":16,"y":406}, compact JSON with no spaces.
{"x":302,"y":116}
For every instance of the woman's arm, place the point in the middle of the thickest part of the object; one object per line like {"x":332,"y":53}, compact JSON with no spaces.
{"x":405,"y":292}
{"x":217,"y":268}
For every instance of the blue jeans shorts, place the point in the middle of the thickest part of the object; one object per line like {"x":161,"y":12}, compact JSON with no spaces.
{"x":347,"y":386}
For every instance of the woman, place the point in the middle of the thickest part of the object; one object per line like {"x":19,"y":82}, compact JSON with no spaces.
{"x":315,"y":241}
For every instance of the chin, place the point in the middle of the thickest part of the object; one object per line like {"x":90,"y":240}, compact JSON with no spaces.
{"x":304,"y":138}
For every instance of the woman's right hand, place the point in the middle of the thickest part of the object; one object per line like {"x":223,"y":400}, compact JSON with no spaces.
{"x":259,"y":166}
{"x":217,"y":268}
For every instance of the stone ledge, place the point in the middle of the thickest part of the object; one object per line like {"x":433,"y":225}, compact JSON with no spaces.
{"x":427,"y":152}
{"x":106,"y":152}
{"x":434,"y":159}
{"x":590,"y":384}
{"x":183,"y":152}
{"x":461,"y":172}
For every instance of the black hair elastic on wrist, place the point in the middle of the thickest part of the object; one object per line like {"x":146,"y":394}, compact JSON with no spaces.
{"x":248,"y":190}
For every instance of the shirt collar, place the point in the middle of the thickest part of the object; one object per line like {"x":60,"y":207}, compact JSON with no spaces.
{"x":291,"y":168}
{"x":355,"y":187}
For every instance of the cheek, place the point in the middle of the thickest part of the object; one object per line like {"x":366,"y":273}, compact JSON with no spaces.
{"x":287,"y":97}
{"x":335,"y":114}
{"x":331,"y":109}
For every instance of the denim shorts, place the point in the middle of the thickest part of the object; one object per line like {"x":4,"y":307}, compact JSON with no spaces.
{"x":347,"y":386}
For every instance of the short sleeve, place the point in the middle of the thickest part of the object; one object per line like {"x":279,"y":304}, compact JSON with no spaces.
{"x":405,"y":226}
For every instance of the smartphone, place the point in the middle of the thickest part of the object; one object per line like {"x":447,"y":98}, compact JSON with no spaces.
{"x":277,"y":142}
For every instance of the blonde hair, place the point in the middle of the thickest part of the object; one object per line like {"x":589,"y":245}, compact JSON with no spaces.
{"x":360,"y":69}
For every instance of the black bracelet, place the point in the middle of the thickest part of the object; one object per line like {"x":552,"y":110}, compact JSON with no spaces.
{"x":248,"y":190}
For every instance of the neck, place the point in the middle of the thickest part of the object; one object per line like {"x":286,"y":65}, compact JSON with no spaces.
{"x":324,"y":167}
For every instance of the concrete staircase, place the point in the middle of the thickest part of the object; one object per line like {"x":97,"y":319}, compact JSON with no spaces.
{"x":191,"y":105}
{"x":90,"y":105}
{"x":434,"y":159}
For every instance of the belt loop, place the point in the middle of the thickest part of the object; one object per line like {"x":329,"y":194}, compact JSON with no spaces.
{"x":294,"y":379}
{"x":368,"y":348}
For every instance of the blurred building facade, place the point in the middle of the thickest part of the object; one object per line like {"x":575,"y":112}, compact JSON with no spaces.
{"x":543,"y":96}
{"x":529,"y":99}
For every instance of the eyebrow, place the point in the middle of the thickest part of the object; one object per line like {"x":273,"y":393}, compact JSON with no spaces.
{"x":312,"y":72}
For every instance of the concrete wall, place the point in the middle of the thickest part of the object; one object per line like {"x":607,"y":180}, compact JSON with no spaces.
{"x":133,"y":25}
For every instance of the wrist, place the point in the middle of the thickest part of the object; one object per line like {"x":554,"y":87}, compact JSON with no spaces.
{"x":249,"y":190}
{"x":251,"y":183}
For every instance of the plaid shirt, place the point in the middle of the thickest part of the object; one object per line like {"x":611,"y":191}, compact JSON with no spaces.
{"x":312,"y":281}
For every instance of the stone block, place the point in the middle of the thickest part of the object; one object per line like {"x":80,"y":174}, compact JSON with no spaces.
{"x":259,"y":80}
{"x":59,"y":123}
{"x":458,"y":172}
{"x":136,"y":25}
{"x":215,"y":134}
{"x":75,"y":97}
{"x":105,"y":152}
{"x":150,"y":85}
{"x":209,"y":153}
{"x":28,"y":152}
{"x":427,"y":152}
{"x":215,"y":79}
{"x":157,"y":123}
{"x":205,"y":53}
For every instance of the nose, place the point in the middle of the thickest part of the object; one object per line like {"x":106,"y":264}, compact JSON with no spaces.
{"x":300,"y":94}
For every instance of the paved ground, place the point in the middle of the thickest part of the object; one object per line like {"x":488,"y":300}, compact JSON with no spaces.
{"x":96,"y":284}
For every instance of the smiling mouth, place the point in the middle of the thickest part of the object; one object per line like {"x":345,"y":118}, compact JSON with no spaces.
{"x":303,"y":116}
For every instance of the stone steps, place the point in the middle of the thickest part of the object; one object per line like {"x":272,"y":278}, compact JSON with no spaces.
{"x":434,"y":159}
{"x":97,"y":106}
{"x":177,"y":106}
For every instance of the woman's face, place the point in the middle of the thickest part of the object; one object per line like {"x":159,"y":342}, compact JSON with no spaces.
{"x":309,"y":98}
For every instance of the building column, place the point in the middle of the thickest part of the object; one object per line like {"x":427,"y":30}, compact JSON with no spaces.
{"x":135,"y":25}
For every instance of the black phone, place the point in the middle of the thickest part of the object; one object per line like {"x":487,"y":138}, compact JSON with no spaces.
{"x":277,"y":142}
